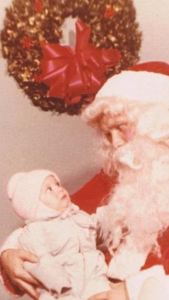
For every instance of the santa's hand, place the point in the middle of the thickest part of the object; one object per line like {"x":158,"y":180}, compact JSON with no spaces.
{"x":13,"y":264}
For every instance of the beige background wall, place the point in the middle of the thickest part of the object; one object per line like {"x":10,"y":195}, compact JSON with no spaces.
{"x":32,"y":139}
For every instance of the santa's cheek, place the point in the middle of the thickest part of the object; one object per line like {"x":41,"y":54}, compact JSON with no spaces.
{"x":161,"y":170}
{"x":128,"y":135}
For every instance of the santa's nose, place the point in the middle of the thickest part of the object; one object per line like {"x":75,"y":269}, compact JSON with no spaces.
{"x":117,"y":140}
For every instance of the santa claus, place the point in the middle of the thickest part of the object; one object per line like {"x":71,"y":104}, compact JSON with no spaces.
{"x":131,"y":113}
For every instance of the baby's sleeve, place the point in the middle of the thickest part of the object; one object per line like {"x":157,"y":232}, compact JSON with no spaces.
{"x":12,"y":241}
{"x":32,"y":239}
{"x":47,"y":270}
{"x":50,"y":273}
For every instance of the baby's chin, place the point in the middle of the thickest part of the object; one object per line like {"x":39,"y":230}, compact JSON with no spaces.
{"x":65,"y":204}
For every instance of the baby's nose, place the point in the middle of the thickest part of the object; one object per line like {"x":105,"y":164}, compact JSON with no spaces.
{"x":56,"y":188}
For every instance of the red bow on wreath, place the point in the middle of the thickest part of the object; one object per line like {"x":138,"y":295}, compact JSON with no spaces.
{"x":72,"y":73}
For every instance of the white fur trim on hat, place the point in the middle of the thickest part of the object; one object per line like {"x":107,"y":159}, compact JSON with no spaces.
{"x":24,"y":191}
{"x":140,"y":86}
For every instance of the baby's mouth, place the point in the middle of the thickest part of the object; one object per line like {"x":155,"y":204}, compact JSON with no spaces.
{"x":64,"y":197}
{"x":65,"y":200}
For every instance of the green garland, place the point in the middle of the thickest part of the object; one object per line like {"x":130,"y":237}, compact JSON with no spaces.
{"x":28,"y":22}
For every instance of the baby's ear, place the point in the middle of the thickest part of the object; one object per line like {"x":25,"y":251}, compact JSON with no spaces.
{"x":154,"y":123}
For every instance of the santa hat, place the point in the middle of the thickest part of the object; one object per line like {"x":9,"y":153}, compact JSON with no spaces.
{"x":24,"y":191}
{"x":145,"y":83}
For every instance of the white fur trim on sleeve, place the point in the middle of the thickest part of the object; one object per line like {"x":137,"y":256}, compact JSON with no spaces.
{"x":125,"y":264}
{"x":135,"y":283}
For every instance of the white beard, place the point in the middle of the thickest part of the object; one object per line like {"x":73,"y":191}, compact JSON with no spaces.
{"x":138,"y":208}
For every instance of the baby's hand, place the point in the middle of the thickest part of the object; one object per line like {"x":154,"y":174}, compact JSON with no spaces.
{"x":12,"y":262}
{"x":100,"y":296}
{"x":118,"y":292}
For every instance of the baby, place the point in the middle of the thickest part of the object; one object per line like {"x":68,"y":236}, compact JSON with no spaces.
{"x":61,"y":235}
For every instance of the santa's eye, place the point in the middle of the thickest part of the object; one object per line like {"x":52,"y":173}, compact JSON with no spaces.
{"x":107,"y":133}
{"x":108,"y":136}
{"x":122,"y":127}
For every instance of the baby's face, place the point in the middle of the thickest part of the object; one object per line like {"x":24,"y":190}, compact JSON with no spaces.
{"x":53,"y":195}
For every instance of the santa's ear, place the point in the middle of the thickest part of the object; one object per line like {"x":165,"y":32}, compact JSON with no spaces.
{"x":154,"y":123}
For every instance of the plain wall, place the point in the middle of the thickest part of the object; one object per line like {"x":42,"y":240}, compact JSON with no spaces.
{"x":31,"y":138}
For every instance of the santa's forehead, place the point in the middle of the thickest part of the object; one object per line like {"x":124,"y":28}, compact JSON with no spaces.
{"x":109,"y":120}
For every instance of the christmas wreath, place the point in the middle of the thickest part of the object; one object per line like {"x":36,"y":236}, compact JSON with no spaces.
{"x":55,"y":77}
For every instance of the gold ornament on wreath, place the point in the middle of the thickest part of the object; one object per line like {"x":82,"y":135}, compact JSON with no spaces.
{"x":56,"y":77}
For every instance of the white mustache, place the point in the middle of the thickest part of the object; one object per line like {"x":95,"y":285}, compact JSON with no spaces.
{"x":127,"y":158}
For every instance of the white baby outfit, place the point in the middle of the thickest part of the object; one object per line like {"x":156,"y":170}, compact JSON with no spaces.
{"x":70,"y":266}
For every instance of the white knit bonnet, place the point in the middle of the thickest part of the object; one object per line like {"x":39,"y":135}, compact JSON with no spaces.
{"x":24,"y":191}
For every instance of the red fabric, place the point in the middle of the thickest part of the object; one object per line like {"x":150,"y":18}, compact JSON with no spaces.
{"x":164,"y":260}
{"x":152,"y":66}
{"x":93,"y":193}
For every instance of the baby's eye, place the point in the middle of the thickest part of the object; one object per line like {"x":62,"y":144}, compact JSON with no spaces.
{"x":49,"y":190}
{"x":57,"y":183}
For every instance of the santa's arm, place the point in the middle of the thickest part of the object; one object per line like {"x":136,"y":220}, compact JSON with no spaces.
{"x":136,"y":284}
{"x":146,"y":285}
{"x":10,"y":243}
{"x":12,"y":274}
